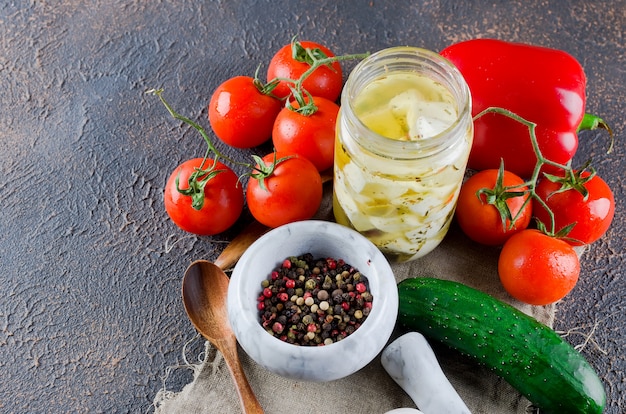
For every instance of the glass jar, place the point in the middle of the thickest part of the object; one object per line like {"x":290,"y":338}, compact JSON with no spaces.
{"x":404,"y":134}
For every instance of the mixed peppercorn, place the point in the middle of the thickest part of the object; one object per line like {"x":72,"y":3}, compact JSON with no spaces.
{"x":313,"y":302}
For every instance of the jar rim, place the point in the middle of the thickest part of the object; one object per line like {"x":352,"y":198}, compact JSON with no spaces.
{"x":408,"y":59}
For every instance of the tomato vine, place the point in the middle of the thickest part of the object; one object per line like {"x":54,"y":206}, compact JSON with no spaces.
{"x":573,"y":179}
{"x":197,"y":181}
{"x":315,"y":58}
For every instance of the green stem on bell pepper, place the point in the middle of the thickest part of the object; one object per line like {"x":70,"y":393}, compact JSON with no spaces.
{"x":591,"y":122}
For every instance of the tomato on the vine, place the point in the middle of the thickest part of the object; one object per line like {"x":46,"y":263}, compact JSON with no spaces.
{"x":592,"y":214}
{"x":222,"y":203}
{"x":478,"y":214}
{"x":536,"y":268}
{"x":311,"y":136}
{"x":291,"y":192}
{"x":242,"y":113}
{"x":325,"y":81}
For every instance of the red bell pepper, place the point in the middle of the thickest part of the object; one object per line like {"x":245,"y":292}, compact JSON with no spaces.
{"x":542,"y":85}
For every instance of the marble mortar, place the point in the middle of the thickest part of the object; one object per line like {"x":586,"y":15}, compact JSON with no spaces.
{"x":308,"y":363}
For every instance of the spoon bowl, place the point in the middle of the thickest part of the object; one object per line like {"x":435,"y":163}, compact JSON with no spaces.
{"x":204,"y":296}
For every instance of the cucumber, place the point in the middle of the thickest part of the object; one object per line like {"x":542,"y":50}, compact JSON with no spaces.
{"x":530,"y":356}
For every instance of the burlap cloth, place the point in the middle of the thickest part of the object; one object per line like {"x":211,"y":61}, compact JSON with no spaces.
{"x":370,"y":390}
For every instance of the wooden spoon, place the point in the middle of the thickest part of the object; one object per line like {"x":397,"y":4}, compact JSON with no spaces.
{"x":204,"y":296}
{"x":204,"y":290}
{"x":232,"y":253}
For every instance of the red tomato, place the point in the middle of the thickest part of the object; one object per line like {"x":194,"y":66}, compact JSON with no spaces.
{"x":482,"y":221}
{"x":536,"y":268}
{"x":325,"y":81}
{"x":240,"y":114}
{"x":223,"y":201}
{"x":592,"y":216}
{"x":312,"y":137}
{"x":292,"y":192}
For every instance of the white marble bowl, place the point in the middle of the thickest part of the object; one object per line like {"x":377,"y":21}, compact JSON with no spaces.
{"x":312,"y":363}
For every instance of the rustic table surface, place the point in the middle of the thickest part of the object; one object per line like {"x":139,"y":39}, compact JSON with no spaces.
{"x":90,"y":306}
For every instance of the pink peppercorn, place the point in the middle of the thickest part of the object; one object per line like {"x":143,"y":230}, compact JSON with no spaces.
{"x":360,"y":287}
{"x":267,"y":292}
{"x":290,"y":284}
{"x":278,"y":327}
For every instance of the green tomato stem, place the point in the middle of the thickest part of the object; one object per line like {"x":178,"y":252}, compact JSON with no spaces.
{"x":315,"y":58}
{"x":211,"y":148}
{"x":531,"y":184}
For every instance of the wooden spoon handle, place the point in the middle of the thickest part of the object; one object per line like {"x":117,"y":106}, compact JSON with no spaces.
{"x":248,"y":400}
{"x":232,"y":253}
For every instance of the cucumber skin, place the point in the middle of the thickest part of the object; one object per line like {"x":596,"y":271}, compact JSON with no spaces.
{"x":530,"y":356}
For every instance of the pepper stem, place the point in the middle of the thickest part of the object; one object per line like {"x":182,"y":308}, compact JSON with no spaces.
{"x":591,"y":122}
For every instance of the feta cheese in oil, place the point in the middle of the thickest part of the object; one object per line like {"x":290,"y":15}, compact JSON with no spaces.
{"x":403,"y":206}
{"x":406,"y":107}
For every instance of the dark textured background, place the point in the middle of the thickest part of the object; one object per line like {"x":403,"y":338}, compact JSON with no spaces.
{"x":90,"y":309}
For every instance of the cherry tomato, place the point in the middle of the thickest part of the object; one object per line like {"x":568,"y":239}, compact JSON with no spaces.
{"x":292,"y":192}
{"x":240,"y":114}
{"x":482,"y":221}
{"x":536,"y":268}
{"x":326,"y":81}
{"x":223,"y":201}
{"x":312,"y":137}
{"x":592,"y":215}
